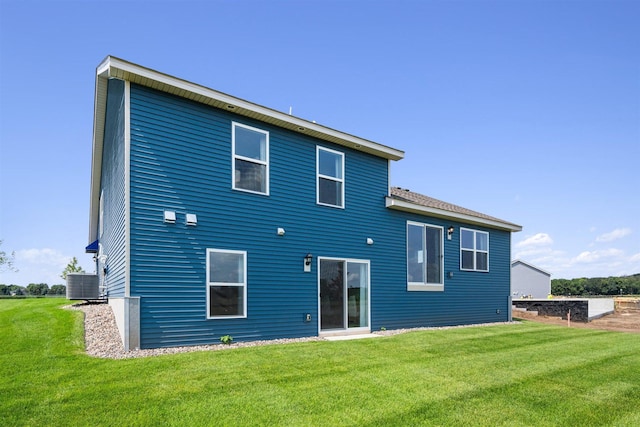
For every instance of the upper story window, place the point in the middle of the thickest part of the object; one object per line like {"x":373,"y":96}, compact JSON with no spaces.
{"x":425,"y":257}
{"x":226,"y":283}
{"x":330,"y":177}
{"x":250,"y":159}
{"x":474,"y":250}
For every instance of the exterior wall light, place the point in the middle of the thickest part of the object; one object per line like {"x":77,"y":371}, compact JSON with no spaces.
{"x":280,"y":231}
{"x":450,"y":232}
{"x":308,"y":258}
{"x":369,"y":241}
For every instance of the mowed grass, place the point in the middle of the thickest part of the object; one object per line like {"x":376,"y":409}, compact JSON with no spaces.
{"x":523,"y":374}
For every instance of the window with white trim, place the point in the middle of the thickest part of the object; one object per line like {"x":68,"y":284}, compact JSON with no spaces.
{"x":226,"y":284}
{"x":250,"y":159}
{"x":474,"y":250}
{"x":425,"y":257}
{"x":330,"y":177}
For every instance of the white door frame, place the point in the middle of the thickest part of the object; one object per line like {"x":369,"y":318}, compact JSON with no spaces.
{"x":347,"y":330}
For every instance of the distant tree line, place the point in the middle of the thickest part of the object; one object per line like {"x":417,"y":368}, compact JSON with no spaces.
{"x":33,"y":289}
{"x":624,"y":285}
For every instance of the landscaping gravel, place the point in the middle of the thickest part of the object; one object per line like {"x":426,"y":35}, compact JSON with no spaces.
{"x":102,"y":338}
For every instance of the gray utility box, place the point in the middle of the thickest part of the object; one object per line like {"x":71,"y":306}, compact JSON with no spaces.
{"x":82,"y":286}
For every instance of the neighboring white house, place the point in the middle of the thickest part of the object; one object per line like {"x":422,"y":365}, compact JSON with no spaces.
{"x":529,"y":281}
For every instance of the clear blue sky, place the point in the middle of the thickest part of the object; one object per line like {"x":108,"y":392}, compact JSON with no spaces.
{"x":525,"y":110}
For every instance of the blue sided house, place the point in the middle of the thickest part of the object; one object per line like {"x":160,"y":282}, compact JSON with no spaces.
{"x":211,"y":216}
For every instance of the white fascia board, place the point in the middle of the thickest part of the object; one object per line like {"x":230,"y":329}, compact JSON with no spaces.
{"x":392,"y":203}
{"x":99,"y":111}
{"x":115,"y":67}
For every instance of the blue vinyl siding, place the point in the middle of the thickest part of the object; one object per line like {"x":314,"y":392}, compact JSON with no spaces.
{"x":468,"y":297}
{"x":181,"y":160}
{"x":113,"y":190}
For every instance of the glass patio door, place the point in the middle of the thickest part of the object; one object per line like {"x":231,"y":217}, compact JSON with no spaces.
{"x":344,"y":294}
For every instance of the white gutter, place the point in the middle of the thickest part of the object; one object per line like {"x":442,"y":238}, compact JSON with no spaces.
{"x":118,"y":68}
{"x":441,"y":213}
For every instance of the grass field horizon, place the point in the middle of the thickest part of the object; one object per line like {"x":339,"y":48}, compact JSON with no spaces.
{"x":519,"y":374}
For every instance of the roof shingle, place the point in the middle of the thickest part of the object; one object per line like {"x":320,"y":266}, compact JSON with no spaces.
{"x":405,"y":195}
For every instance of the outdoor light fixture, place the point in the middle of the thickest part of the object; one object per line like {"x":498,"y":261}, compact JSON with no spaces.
{"x":450,"y":232}
{"x":307,"y":262}
{"x":369,"y":241}
{"x":280,"y":231}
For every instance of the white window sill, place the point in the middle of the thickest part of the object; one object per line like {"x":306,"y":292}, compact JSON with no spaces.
{"x":421,"y":287}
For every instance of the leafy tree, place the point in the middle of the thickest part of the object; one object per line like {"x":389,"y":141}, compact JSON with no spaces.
{"x":6,"y":261}
{"x":37,"y":289}
{"x":58,"y":290}
{"x":4,"y":290}
{"x":625,"y":285}
{"x":559,"y":286}
{"x":72,"y":267}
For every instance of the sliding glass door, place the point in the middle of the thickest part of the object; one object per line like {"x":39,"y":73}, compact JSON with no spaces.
{"x":344,"y":294}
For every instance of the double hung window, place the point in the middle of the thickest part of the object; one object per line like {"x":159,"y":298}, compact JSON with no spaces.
{"x":474,"y":250}
{"x":425,"y":257}
{"x":330,"y":177}
{"x":226,"y":283}
{"x":250,"y":159}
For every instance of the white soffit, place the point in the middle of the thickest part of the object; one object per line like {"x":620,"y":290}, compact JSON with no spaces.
{"x":441,"y":213}
{"x":118,"y":68}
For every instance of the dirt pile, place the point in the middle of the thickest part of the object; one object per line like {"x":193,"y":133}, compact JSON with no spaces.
{"x":626,"y":317}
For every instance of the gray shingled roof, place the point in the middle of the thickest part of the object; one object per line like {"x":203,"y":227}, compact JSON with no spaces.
{"x":405,"y":195}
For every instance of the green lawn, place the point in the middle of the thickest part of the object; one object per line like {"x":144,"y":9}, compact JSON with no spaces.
{"x":524,"y":374}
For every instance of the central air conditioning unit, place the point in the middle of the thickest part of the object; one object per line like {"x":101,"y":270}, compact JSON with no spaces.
{"x":82,"y":286}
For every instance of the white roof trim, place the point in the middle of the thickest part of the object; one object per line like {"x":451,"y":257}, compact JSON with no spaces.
{"x":114,"y":67}
{"x":99,"y":112}
{"x":441,"y":213}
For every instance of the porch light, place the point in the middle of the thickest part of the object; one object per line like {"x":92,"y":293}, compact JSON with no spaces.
{"x":450,"y":232}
